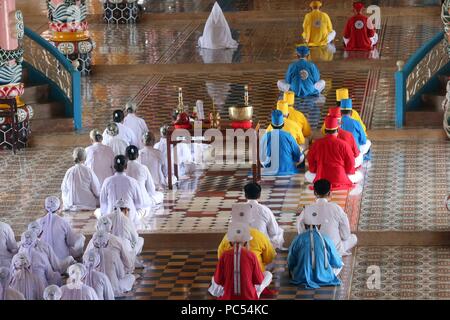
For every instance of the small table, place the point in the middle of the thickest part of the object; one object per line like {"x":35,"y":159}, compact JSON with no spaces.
{"x":227,"y":132}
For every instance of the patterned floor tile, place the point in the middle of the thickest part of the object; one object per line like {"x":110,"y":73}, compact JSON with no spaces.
{"x":405,"y":273}
{"x":405,"y":189}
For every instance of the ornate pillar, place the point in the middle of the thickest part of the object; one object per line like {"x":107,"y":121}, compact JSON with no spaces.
{"x":445,"y":16}
{"x":68,"y":32}
{"x":14,"y":113}
{"x":122,"y":11}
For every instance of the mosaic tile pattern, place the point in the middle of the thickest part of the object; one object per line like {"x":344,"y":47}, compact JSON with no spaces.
{"x":204,"y":208}
{"x":406,"y":273}
{"x":405,"y":190}
{"x":30,"y":176}
{"x":159,"y":6}
{"x":181,"y":275}
{"x":383,"y":98}
{"x":139,"y":43}
{"x":228,"y":90}
{"x":404,"y":35}
{"x":102,"y":94}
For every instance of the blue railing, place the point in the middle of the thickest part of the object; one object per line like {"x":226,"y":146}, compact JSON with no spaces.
{"x":46,"y":63}
{"x":402,"y":75}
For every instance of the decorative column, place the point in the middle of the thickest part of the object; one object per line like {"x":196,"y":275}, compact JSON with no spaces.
{"x":69,"y":32}
{"x":445,"y":16}
{"x":14,"y":113}
{"x":122,"y":11}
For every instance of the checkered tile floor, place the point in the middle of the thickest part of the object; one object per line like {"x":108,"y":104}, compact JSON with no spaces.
{"x":180,"y":275}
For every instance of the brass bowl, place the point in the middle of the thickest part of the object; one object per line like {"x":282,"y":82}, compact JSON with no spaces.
{"x":240,"y":113}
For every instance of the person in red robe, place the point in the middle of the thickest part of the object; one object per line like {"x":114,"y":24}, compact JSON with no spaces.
{"x":347,"y":136}
{"x":359,"y":32}
{"x":332,"y":159}
{"x":238,"y":275}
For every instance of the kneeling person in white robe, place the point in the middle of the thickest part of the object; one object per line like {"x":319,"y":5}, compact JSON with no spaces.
{"x":57,"y":232}
{"x":75,"y":289}
{"x":122,"y":246}
{"x":8,"y":244}
{"x":112,"y":265}
{"x":23,"y":280}
{"x":99,"y":157}
{"x":80,"y":187}
{"x":44,"y":263}
{"x":123,"y":132}
{"x":135,"y":123}
{"x":153,"y":159}
{"x":141,"y":173}
{"x":330,"y":216}
{"x":118,"y":187}
{"x":263,"y":218}
{"x":184,"y":155}
{"x":113,"y":140}
{"x":124,"y":229}
{"x":6,"y":292}
{"x":95,"y":279}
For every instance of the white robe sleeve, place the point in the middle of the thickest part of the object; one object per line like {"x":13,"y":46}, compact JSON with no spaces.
{"x":300,"y":223}
{"x":273,"y":229}
{"x":95,"y":184}
{"x":74,"y":241}
{"x":104,"y":199}
{"x":344,"y":225}
{"x":128,"y":263}
{"x":66,"y":194}
{"x":11,"y":243}
{"x":108,"y":291}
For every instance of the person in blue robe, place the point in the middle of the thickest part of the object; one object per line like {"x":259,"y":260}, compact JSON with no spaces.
{"x":313,"y":260}
{"x":302,"y":76}
{"x":351,"y":125}
{"x":279,"y":151}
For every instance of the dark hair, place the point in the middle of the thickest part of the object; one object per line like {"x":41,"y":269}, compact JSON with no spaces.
{"x":277,"y":127}
{"x":132,"y":152}
{"x":338,"y":103}
{"x":331,"y":131}
{"x":120,"y":163}
{"x":346,"y":112}
{"x":149,"y":139}
{"x":130,"y":110}
{"x":118,"y":115}
{"x":252,"y":191}
{"x":98,"y":137}
{"x":322,"y":187}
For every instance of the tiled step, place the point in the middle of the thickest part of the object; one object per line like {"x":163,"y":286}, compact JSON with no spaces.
{"x":48,"y":110}
{"x":429,"y":114}
{"x":60,"y":124}
{"x":424,"y":119}
{"x":35,"y":93}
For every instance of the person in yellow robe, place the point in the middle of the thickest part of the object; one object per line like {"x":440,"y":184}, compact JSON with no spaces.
{"x":342,"y":94}
{"x":317,"y":27}
{"x":259,"y":244}
{"x":294,"y":129}
{"x":293,"y":114}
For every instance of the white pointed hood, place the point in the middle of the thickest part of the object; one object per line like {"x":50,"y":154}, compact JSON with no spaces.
{"x":217,"y":33}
